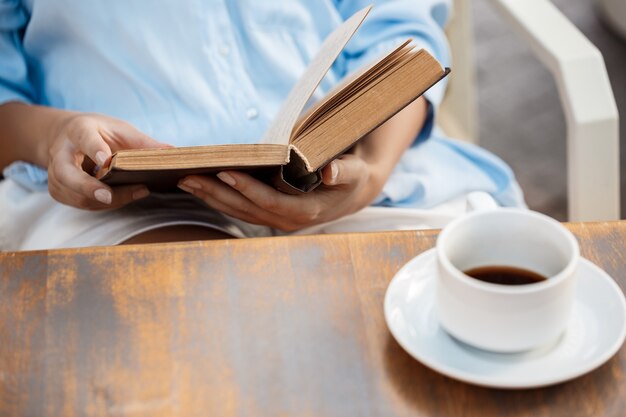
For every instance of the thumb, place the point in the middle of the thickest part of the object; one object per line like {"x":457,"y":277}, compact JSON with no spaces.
{"x":345,"y":170}
{"x":90,"y":143}
{"x":128,"y":136}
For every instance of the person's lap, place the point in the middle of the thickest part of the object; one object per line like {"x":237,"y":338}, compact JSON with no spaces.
{"x":368,"y":219}
{"x":33,"y":220}
{"x":433,"y":179}
{"x":182,"y":233}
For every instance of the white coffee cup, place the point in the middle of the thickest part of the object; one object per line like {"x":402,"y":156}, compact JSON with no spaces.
{"x":499,"y":317}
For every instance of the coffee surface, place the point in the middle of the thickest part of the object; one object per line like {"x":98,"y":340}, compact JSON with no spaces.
{"x":505,"y":275}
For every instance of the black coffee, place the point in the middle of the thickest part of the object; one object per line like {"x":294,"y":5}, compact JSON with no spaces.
{"x":505,"y":275}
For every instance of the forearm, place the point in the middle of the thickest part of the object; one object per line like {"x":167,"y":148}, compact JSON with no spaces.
{"x":25,"y":131}
{"x":383,"y":147}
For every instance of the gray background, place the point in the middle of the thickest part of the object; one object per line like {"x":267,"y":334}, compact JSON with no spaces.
{"x":520,"y":114}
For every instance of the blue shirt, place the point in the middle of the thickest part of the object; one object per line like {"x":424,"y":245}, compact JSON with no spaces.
{"x":191,"y":72}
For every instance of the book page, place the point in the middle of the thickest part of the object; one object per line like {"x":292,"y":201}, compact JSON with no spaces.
{"x":349,"y":86}
{"x":338,"y":130}
{"x":280,"y":129}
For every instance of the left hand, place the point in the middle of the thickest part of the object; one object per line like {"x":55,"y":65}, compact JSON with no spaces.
{"x":349,"y":183}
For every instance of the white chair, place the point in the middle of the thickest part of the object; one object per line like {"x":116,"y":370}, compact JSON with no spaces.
{"x":584,"y":89}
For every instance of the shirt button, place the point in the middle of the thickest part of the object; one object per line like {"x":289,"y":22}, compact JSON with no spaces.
{"x":223,"y":50}
{"x":252,"y":113}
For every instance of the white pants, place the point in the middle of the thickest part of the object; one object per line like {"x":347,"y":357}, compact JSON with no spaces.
{"x":33,"y":220}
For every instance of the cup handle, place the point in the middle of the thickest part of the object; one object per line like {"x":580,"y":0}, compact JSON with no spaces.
{"x":480,"y":200}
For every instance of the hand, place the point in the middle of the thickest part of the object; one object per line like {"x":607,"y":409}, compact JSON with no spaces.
{"x":349,"y":184}
{"x":77,"y":136}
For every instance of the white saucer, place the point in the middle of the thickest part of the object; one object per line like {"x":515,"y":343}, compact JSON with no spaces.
{"x":596,"y":331}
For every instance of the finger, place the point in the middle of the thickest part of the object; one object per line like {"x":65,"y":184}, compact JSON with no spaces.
{"x":261,"y":194}
{"x":72,"y":198}
{"x":217,"y":191}
{"x":214,"y":203}
{"x":70,"y":175}
{"x":223,"y":198}
{"x":284,"y":211}
{"x":259,"y":216}
{"x":88,"y":141}
{"x":126,"y":136}
{"x":121,"y":197}
{"x":345,"y":170}
{"x":68,"y":197}
{"x":125,"y":194}
{"x":329,"y":173}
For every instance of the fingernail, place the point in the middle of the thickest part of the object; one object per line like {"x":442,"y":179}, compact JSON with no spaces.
{"x":101,"y":158}
{"x":192,"y":184}
{"x":227,"y":178}
{"x":103,"y":196}
{"x":333,"y":172}
{"x":186,"y":189}
{"x":140,"y":193}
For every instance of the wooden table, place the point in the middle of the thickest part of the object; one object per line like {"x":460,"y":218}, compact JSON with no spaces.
{"x":260,"y":327}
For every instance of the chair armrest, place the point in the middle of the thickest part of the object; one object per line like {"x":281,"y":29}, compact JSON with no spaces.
{"x":588,"y":103}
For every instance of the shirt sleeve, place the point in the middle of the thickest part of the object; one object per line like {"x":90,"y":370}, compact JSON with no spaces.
{"x":390,"y":23}
{"x":14,"y":84}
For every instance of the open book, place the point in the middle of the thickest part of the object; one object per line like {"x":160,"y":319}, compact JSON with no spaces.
{"x":298,"y":145}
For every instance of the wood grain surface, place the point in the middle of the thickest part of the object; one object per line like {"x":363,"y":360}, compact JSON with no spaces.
{"x":261,"y":327}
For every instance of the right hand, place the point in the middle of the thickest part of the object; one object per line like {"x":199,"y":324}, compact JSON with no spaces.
{"x":95,"y":136}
